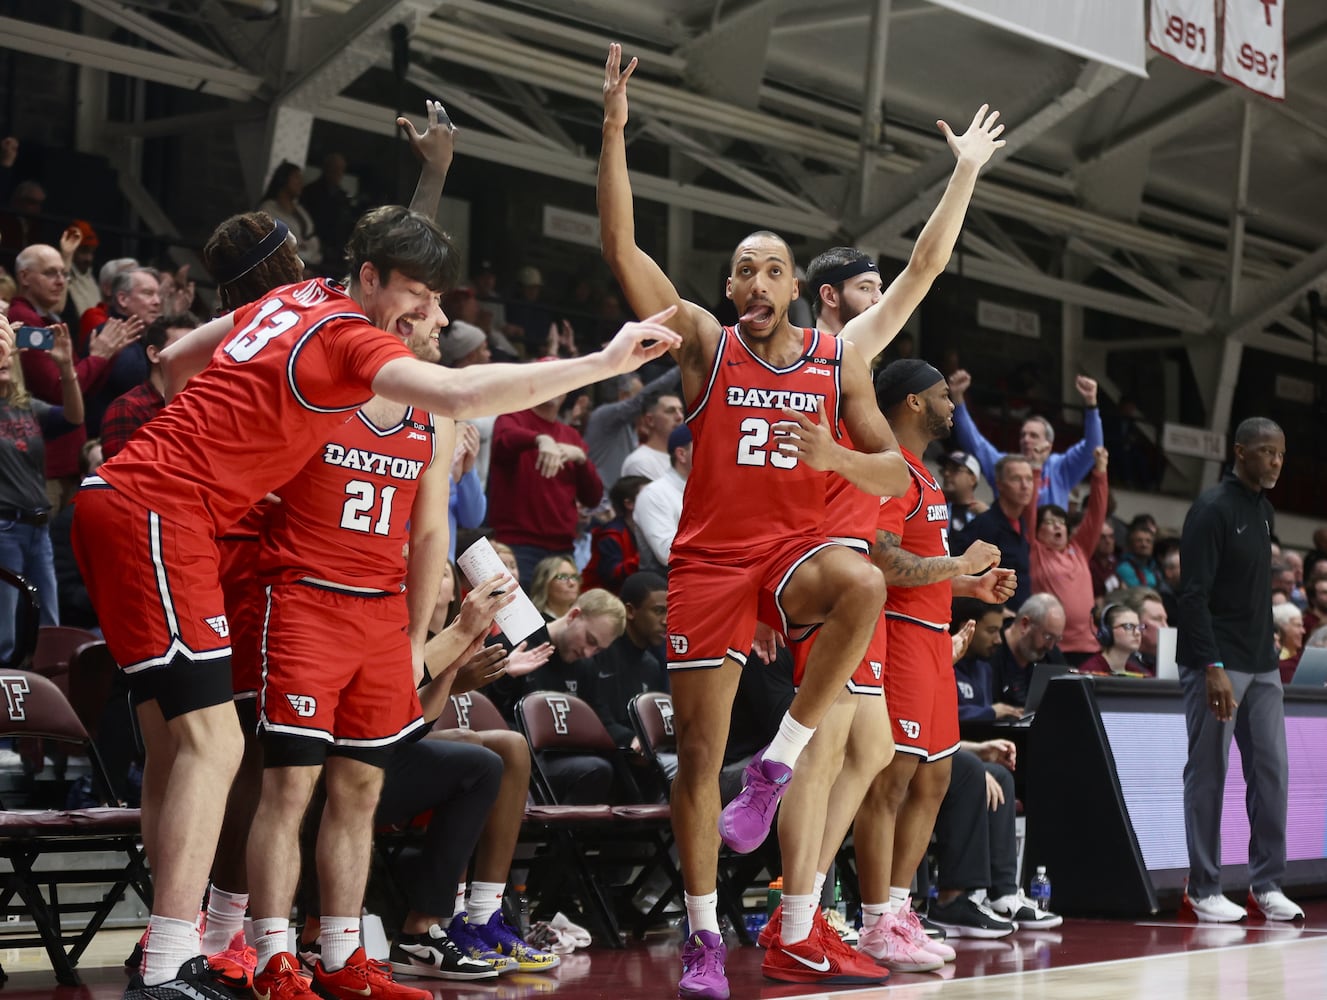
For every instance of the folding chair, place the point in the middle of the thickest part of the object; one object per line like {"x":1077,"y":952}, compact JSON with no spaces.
{"x":33,"y":706}
{"x":558,"y":723}
{"x":472,"y":710}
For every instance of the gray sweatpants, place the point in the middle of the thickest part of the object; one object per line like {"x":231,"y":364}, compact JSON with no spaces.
{"x":1259,"y":728}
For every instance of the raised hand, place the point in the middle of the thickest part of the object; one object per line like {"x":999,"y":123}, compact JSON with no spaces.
{"x":1102,"y":460}
{"x":1087,"y":388}
{"x":980,"y":141}
{"x":615,"y":86}
{"x":62,"y":351}
{"x":114,"y":336}
{"x":6,"y":341}
{"x":996,"y":586}
{"x":70,"y":240}
{"x":524,"y":661}
{"x":962,"y":638}
{"x":639,"y":342}
{"x":483,"y":665}
{"x":485,"y":601}
{"x":436,"y":145}
{"x":959,"y":383}
{"x":183,"y":296}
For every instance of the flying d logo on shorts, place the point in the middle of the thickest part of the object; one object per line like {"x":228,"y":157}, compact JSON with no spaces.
{"x":303,"y":704}
{"x":679,"y":643}
{"x":219,"y":625}
{"x":910,"y":729}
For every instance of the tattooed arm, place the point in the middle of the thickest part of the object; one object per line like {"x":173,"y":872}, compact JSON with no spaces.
{"x":906,"y":569}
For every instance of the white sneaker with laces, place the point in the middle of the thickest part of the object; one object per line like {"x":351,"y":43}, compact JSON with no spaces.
{"x":1274,"y":905}
{"x":1214,"y":909}
{"x":1024,"y":912}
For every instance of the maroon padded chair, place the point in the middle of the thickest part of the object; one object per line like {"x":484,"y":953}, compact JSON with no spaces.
{"x":32,"y":706}
{"x":472,"y":710}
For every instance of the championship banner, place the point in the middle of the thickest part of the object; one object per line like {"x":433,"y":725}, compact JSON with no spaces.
{"x":1254,"y":53}
{"x":1184,"y":30}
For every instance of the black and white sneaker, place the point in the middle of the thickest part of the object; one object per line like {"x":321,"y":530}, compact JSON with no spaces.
{"x":969,"y":916}
{"x":933,"y":930}
{"x":1024,"y":912}
{"x":310,"y":954}
{"x":195,"y":981}
{"x":434,"y":955}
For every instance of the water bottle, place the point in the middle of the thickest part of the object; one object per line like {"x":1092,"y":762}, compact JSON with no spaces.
{"x":773,"y":896}
{"x":933,"y":886}
{"x":1041,"y":889}
{"x":522,"y":910}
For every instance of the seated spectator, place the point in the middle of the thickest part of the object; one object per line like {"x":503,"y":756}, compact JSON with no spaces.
{"x":555,"y":587}
{"x":539,"y":469}
{"x":135,"y":296}
{"x":1104,"y":562}
{"x":508,"y":559}
{"x":466,"y":503}
{"x":659,"y":504}
{"x":1002,"y":524}
{"x":281,"y":201}
{"x":1032,"y":637}
{"x":1057,"y":474}
{"x":25,"y":542}
{"x":1288,"y":623}
{"x":1169,"y":590}
{"x":128,"y":412}
{"x":661,"y":414}
{"x":1138,"y":567}
{"x":8,"y":289}
{"x":1120,"y":634}
{"x":614,"y":555}
{"x":100,"y":312}
{"x":973,"y":672}
{"x":610,"y":430}
{"x":1060,"y":561}
{"x":1150,"y":607}
{"x":634,"y":663}
{"x":1296,"y":563}
{"x":1283,"y":578}
{"x":960,"y":473}
{"x":1315,"y":595}
{"x":531,"y":317}
{"x":977,"y":849}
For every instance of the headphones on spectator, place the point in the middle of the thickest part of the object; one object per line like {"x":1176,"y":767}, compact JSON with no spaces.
{"x":1106,"y":634}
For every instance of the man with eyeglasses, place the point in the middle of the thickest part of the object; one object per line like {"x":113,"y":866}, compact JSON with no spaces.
{"x":1060,"y":561}
{"x":1032,"y":637}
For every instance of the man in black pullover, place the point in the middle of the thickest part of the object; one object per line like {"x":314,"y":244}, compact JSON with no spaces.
{"x":1229,"y":676}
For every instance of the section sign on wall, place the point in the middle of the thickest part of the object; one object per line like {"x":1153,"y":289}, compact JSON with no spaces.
{"x":1184,"y":30}
{"x":1254,"y":52}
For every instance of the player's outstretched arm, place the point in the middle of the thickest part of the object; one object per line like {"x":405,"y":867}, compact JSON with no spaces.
{"x":643,"y":282}
{"x":483,"y":390}
{"x":190,"y":354}
{"x":873,"y":329}
{"x":429,"y":537}
{"x":435,"y":148}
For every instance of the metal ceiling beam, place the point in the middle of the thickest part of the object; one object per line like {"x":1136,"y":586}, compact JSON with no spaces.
{"x":204,"y":121}
{"x":711,"y":159}
{"x":534,"y":106}
{"x":479,"y":109}
{"x":1276,"y":298}
{"x":1132,"y":278}
{"x":914,"y":200}
{"x":871,"y":130}
{"x":799,"y":221}
{"x":153,"y":31}
{"x":52,"y":43}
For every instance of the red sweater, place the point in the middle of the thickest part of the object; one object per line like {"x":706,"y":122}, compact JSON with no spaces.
{"x":524,"y":508}
{"x":1067,"y":574}
{"x":43,"y":378}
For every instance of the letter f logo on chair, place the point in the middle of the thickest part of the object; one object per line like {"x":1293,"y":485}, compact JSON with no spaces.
{"x":560,"y":708}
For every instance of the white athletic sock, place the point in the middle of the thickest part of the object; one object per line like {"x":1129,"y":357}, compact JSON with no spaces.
{"x":485,"y":900}
{"x":789,"y":742}
{"x":458,"y":906}
{"x":270,"y":937}
{"x":871,"y":914}
{"x":338,"y":937}
{"x":169,"y":944}
{"x":703,"y":911}
{"x":225,"y":917}
{"x":819,"y":888}
{"x":798,"y":914}
{"x":898,"y":898}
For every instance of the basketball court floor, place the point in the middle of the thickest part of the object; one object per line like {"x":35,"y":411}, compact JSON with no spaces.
{"x":1081,"y":960}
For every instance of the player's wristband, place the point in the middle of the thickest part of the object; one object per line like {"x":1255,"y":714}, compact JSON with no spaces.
{"x":1216,"y":665}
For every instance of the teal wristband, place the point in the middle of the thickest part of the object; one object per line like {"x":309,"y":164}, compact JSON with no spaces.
{"x":1217,"y":664}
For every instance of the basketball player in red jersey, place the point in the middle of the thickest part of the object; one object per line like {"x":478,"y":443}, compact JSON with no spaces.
{"x":765,"y":399}
{"x":895,"y":821}
{"x":284,"y":373}
{"x":336,"y":575}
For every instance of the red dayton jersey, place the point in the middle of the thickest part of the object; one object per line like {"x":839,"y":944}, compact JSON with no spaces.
{"x":296,"y":364}
{"x":850,"y":513}
{"x":742,"y":491}
{"x":342,"y":520}
{"x":921,"y":519}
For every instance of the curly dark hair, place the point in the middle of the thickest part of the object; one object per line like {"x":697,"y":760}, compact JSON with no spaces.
{"x":229,"y":243}
{"x":392,"y":238}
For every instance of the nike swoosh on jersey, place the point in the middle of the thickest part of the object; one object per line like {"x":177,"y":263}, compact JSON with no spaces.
{"x":821,"y":966}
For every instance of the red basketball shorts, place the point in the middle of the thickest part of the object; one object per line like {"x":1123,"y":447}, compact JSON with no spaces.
{"x":920,"y":689}
{"x":155,"y":585}
{"x":336,"y":673}
{"x":713,"y":604}
{"x":246,"y":603}
{"x":868,"y":678}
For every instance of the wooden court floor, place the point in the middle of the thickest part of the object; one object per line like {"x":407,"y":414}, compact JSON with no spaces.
{"x":1081,"y":960}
